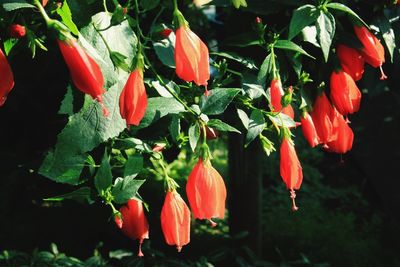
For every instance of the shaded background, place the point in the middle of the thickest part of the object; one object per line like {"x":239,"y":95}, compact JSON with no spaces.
{"x":349,"y":205}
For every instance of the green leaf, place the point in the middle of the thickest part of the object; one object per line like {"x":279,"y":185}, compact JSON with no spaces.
{"x":252,"y":87}
{"x":267,"y":145}
{"x":282,"y":120}
{"x":11,"y":5}
{"x":131,"y":142}
{"x":175,"y":127}
{"x":346,"y":9}
{"x":221,"y":126}
{"x":302,"y":17}
{"x":103,"y":178}
{"x":309,"y":34}
{"x":9,"y":44}
{"x":133,"y":165}
{"x":244,"y":118}
{"x":164,"y":49}
{"x":162,"y":90}
{"x":66,"y":17}
{"x":266,"y":70}
{"x":159,"y":107}
{"x":387,"y":34}
{"x":125,"y":188}
{"x":119,"y":61}
{"x":67,"y":106}
{"x":248,"y":63}
{"x":289,"y":45}
{"x":82,"y":195}
{"x":218,"y":100}
{"x":194,"y":135}
{"x":256,"y":126}
{"x":326,"y":27}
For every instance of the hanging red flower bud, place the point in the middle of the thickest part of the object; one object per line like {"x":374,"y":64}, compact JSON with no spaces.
{"x":351,"y":60}
{"x":211,"y":133}
{"x":322,"y":117}
{"x":133,"y":99}
{"x":175,"y":220}
{"x":44,"y":2}
{"x":135,"y":224}
{"x":191,"y":57}
{"x":372,"y":51}
{"x":345,"y":94}
{"x":344,"y":135}
{"x":276,"y":93}
{"x":308,"y":128}
{"x":206,"y":192}
{"x":6,"y":78}
{"x":290,"y":168}
{"x":118,"y":220}
{"x":85,"y":73}
{"x":17,"y":31}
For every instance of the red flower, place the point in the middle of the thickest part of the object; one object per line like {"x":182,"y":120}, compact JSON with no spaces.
{"x":85,"y":73}
{"x":211,"y":133}
{"x":308,"y":128}
{"x":175,"y":220}
{"x":134,"y":222}
{"x":351,"y":60}
{"x":206,"y":192}
{"x":276,"y":93}
{"x":44,"y":2}
{"x":133,"y":99}
{"x":372,"y":51}
{"x":6,"y":78}
{"x":344,"y":136}
{"x":290,"y":168}
{"x":345,"y":94}
{"x":322,"y":117}
{"x":191,"y":57}
{"x":17,"y":31}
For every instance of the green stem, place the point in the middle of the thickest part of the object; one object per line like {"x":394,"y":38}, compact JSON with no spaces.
{"x":274,"y":70}
{"x":167,"y":87}
{"x":116,"y":3}
{"x":175,"y":5}
{"x":105,"y":5}
{"x":102,"y":38}
{"x":43,"y":12}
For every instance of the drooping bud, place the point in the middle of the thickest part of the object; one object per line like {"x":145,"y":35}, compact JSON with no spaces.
{"x":6,"y":78}
{"x":322,"y":116}
{"x":276,"y":93}
{"x":191,"y":57}
{"x":290,"y":168}
{"x":372,"y":51}
{"x":135,"y":224}
{"x":85,"y":73}
{"x":175,"y":220}
{"x":351,"y":60}
{"x":133,"y":99}
{"x":344,"y":136}
{"x":165,"y":32}
{"x":345,"y":94}
{"x":308,"y":128}
{"x":206,"y":191}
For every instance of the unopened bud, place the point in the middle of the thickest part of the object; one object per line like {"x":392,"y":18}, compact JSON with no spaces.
{"x":287,"y":97}
{"x":17,"y":31}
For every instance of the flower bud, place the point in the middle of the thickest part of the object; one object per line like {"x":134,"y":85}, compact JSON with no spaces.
{"x":345,"y":94}
{"x":7,"y":78}
{"x":17,"y":31}
{"x":175,"y":220}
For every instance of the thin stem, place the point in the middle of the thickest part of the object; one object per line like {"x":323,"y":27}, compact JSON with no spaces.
{"x":105,"y":5}
{"x":167,"y":87}
{"x":42,"y":12}
{"x":102,"y":38}
{"x":116,"y":3}
{"x":274,"y":71}
{"x":175,"y":5}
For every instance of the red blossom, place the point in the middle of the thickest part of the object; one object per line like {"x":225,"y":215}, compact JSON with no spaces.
{"x":17,"y":31}
{"x":85,"y":73}
{"x":175,"y":220}
{"x":345,"y":94}
{"x":191,"y":57}
{"x":206,"y":191}
{"x":351,"y":60}
{"x":133,"y":99}
{"x":308,"y":128}
{"x":134,"y":222}
{"x":6,"y":78}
